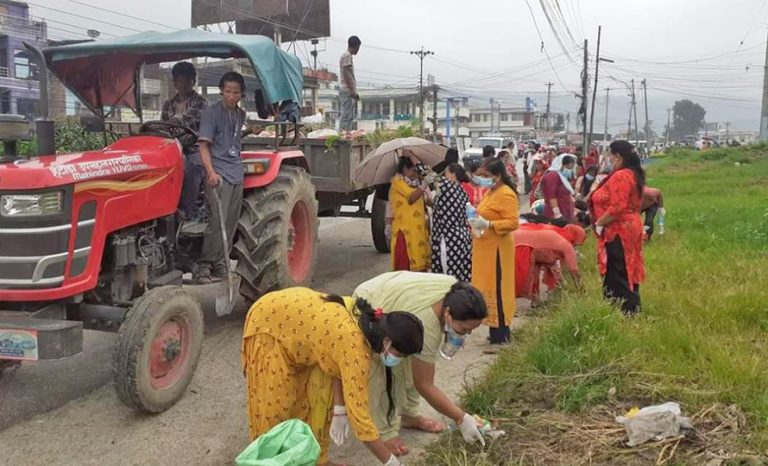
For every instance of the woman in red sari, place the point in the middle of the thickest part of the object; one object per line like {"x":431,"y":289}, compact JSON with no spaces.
{"x":615,"y":205}
{"x":539,"y":170}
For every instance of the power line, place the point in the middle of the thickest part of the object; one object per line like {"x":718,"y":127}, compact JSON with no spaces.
{"x":85,"y":17}
{"x":121,"y":14}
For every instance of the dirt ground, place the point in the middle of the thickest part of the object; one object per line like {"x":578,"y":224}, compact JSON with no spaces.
{"x":47,"y":421}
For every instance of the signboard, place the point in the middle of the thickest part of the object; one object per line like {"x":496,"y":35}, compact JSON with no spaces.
{"x":295,"y":19}
{"x":20,"y":345}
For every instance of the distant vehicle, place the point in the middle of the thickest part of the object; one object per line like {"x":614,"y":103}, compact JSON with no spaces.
{"x":475,"y":153}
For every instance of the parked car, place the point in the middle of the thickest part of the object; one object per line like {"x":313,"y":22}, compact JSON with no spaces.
{"x":475,"y":152}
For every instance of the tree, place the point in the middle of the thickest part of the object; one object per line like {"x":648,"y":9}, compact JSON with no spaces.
{"x":687,"y":119}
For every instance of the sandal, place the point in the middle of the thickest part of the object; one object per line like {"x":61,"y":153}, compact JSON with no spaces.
{"x":397,"y":447}
{"x":423,"y":424}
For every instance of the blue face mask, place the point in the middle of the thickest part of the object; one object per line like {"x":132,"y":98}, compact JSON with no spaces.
{"x":589,"y":177}
{"x":567,"y":172}
{"x":389,"y":360}
{"x":482,"y":181}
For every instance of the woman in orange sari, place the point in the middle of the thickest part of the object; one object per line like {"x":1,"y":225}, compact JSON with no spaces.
{"x":615,"y":205}
{"x":493,"y":252}
{"x":410,"y":245}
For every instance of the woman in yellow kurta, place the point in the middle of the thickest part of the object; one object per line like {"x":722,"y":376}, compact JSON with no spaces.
{"x":304,"y":352}
{"x":493,"y":253}
{"x":409,"y":246}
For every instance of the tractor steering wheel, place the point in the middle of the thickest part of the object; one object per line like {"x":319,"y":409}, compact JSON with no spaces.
{"x":169,"y":129}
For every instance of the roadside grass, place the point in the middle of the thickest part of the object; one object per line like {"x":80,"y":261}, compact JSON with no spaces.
{"x":701,"y":339}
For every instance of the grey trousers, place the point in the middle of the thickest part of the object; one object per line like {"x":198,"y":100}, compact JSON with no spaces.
{"x":231,"y":196}
{"x":347,"y":112}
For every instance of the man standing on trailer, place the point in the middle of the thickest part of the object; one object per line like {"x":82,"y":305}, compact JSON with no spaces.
{"x":348,"y":96}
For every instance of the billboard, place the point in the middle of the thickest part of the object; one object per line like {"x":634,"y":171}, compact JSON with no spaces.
{"x":295,"y":19}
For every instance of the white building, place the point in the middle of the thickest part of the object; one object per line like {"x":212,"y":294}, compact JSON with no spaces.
{"x":508,"y":121}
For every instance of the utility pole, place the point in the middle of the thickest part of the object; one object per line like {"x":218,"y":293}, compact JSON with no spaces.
{"x":448,"y":104}
{"x":605,"y":129}
{"x":421,"y":54}
{"x":314,"y":52}
{"x":669,"y":127}
{"x":588,"y":139}
{"x":546,"y":115}
{"x":647,"y":125}
{"x":491,"y":102}
{"x":584,"y":92}
{"x":634,"y":112}
{"x":727,"y":131}
{"x":764,"y":111}
{"x":434,"y":112}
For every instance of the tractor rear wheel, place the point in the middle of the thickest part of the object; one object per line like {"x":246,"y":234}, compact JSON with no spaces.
{"x":157,"y":349}
{"x":379,"y":225}
{"x":277,"y":235}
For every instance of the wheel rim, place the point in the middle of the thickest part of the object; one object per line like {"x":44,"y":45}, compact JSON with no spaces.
{"x":299,"y":242}
{"x":169,"y":352}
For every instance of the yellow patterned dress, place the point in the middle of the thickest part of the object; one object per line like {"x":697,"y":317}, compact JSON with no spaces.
{"x":411,"y":221}
{"x":294,"y":344}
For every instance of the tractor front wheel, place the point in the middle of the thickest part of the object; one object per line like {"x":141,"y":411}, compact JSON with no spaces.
{"x":277,"y":235}
{"x":157,"y":349}
{"x":379,"y":225}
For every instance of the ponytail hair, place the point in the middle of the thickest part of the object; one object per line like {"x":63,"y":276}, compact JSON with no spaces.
{"x":496,"y":167}
{"x":404,"y":330}
{"x":631,"y":160}
{"x":465,"y":302}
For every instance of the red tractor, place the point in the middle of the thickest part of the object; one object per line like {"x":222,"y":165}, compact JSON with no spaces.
{"x":93,"y":240}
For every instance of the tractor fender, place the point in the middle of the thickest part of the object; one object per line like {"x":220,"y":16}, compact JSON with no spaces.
{"x":274,"y":161}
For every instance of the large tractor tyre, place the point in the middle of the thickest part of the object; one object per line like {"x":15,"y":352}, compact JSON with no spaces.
{"x":379,"y":225}
{"x":277,"y":235}
{"x":157,"y":349}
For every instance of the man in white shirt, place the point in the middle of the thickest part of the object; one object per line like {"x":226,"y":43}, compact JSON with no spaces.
{"x":348,"y":86}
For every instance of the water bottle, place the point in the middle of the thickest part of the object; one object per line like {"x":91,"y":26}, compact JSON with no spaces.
{"x":471,"y":214}
{"x":450,"y":346}
{"x":661,"y":224}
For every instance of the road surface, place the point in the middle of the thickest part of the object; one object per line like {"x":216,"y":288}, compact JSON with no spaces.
{"x":67,"y":412}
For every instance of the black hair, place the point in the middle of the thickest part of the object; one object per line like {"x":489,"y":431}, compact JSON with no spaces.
{"x":404,"y":330}
{"x":496,"y":167}
{"x":232,"y":77}
{"x":459,"y":171}
{"x":452,"y":155}
{"x":502,"y":154}
{"x":631,"y":160}
{"x":473,"y":165}
{"x":465,"y":302}
{"x":489,"y":151}
{"x":568,"y":159}
{"x":354,"y":42}
{"x":185,"y":69}
{"x":592,"y":168}
{"x":403,"y":163}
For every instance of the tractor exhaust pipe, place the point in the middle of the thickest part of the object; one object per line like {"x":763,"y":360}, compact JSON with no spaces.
{"x":44,"y":125}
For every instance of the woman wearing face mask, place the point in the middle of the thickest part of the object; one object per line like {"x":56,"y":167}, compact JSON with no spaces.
{"x":449,"y":310}
{"x":537,"y":173}
{"x":303,"y":350}
{"x":410,"y":235}
{"x":478,"y":191}
{"x":615,"y":205}
{"x":557,"y":189}
{"x":451,"y":241}
{"x":585,"y":183}
{"x":493,"y":253}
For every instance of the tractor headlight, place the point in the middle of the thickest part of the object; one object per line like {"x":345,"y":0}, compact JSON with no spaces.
{"x":29,"y":205}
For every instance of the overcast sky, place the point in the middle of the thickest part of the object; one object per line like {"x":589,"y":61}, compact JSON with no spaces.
{"x":710,"y":51}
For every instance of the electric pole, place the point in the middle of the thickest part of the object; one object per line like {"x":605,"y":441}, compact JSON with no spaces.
{"x":669,"y":127}
{"x":314,"y":52}
{"x":647,"y":124}
{"x":546,"y":115}
{"x":434,"y":112}
{"x":588,"y":139}
{"x":634,"y":112}
{"x":764,"y":111}
{"x":584,"y":92}
{"x":605,"y":129}
{"x":421,"y":54}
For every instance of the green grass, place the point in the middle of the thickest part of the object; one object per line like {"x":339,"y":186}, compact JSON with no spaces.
{"x":702,"y":336}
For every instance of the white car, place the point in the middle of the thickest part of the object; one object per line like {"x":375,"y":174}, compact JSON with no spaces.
{"x":475,"y":152}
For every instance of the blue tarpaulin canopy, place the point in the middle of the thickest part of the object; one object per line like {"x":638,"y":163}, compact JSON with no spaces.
{"x":105,"y":73}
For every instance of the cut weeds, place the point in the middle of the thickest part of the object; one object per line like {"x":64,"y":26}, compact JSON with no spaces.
{"x":701,"y":339}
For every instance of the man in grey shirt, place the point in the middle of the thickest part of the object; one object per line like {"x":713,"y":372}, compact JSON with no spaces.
{"x":219,"y":140}
{"x":348,"y":86}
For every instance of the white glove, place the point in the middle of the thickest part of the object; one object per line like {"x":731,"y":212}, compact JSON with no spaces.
{"x":393,"y":461}
{"x":663,"y":212}
{"x":339,"y":425}
{"x":599,"y":230}
{"x":479,"y":223}
{"x":557,"y":212}
{"x":469,"y":430}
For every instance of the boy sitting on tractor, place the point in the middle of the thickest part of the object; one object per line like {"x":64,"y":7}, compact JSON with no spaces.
{"x":219,"y":141}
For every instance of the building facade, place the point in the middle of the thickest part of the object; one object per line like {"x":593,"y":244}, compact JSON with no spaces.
{"x":19,"y":73}
{"x":518,"y":122}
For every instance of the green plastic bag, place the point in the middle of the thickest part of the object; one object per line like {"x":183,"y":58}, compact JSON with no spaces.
{"x":290,"y":443}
